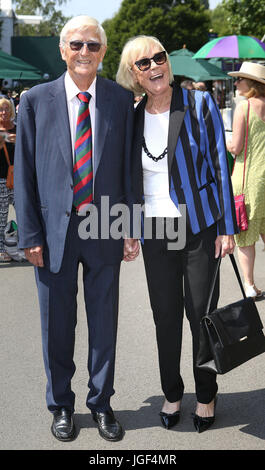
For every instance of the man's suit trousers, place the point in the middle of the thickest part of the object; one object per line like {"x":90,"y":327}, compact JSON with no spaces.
{"x":58,"y":306}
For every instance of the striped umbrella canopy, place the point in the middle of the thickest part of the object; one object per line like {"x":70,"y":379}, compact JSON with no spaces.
{"x":236,"y":47}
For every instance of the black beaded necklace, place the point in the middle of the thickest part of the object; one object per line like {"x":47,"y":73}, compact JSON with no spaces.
{"x":156,"y":159}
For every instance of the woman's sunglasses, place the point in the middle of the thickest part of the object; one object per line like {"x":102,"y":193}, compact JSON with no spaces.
{"x":77,"y":45}
{"x":239,"y":79}
{"x":145,"y":64}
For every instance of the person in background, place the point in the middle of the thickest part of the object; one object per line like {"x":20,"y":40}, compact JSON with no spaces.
{"x":7,"y":147}
{"x":179,"y":158}
{"x":200,"y":86}
{"x":15,"y":97}
{"x":12,"y":101}
{"x":188,"y":84}
{"x":250,"y":83}
{"x":19,"y":98}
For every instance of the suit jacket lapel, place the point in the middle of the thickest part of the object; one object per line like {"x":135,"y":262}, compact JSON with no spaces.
{"x":59,"y":108}
{"x":102,"y":120}
{"x":138,"y":139}
{"x":177,"y":114}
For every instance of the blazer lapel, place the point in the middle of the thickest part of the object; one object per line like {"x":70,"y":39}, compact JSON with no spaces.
{"x":102,"y":120}
{"x":60,"y":110}
{"x":177,"y":114}
{"x":138,"y":139}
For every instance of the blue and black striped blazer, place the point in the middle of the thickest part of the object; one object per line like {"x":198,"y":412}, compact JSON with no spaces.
{"x":197,"y":161}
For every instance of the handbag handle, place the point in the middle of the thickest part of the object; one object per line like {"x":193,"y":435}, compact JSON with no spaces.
{"x":246,"y":145}
{"x":233,"y":261}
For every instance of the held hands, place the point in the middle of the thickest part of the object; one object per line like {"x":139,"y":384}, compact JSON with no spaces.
{"x":34,"y":255}
{"x":224,"y":244}
{"x":131,"y":249}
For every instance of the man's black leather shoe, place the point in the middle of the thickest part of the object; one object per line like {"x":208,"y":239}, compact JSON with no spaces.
{"x":109,"y":428}
{"x":63,"y":427}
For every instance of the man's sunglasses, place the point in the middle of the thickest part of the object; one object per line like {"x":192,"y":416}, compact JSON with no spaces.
{"x":77,"y":45}
{"x":239,"y":79}
{"x":145,"y":64}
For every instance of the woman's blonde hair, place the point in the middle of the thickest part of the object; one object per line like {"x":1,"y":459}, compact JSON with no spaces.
{"x":255,"y":89}
{"x":139,"y":45}
{"x":10,"y":106}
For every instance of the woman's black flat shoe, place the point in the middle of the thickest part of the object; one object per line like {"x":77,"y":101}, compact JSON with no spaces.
{"x":169,"y":420}
{"x":201,"y":423}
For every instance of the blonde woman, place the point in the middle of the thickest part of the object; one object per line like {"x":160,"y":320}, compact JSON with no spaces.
{"x":7,"y":137}
{"x":179,"y":157}
{"x":250,"y":83}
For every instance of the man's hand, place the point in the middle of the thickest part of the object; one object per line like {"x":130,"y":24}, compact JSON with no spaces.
{"x":131,"y":249}
{"x":34,"y":255}
{"x":224,"y":244}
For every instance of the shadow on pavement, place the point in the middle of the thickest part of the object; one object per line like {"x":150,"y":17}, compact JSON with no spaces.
{"x":234,"y":409}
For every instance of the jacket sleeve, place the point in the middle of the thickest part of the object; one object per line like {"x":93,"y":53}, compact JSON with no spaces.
{"x":30,"y":230}
{"x":128,"y":149}
{"x":216,"y":155}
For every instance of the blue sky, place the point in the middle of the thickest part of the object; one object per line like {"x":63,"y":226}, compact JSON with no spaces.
{"x":100,"y":9}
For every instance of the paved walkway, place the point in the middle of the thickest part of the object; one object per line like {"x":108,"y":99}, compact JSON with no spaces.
{"x":25,"y":422}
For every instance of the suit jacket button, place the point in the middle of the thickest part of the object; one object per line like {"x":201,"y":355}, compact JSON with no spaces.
{"x":68,"y":213}
{"x":72,"y":186}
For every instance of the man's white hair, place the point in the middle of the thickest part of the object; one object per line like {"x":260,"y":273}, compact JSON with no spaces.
{"x":82,"y":22}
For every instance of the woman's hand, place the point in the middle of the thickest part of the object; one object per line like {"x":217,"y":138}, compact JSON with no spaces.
{"x":224,"y":244}
{"x":131,"y":249}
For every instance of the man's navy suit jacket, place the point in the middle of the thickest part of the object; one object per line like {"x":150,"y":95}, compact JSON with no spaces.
{"x":43,"y":180}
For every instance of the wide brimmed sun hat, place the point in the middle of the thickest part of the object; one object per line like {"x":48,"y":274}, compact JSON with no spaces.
{"x":252,"y":71}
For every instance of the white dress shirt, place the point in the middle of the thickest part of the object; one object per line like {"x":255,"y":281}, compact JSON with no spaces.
{"x":73,"y":105}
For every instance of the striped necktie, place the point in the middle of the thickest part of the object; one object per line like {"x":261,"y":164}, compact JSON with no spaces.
{"x":83,"y":171}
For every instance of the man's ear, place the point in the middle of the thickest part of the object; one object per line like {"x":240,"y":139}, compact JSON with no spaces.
{"x":62,"y":52}
{"x":103,"y":52}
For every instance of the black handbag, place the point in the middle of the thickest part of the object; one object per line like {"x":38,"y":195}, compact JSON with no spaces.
{"x":230,"y":335}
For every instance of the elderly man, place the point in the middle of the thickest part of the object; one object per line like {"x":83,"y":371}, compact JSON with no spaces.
{"x":73,"y":147}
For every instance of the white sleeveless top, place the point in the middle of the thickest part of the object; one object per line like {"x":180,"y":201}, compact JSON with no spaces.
{"x":156,"y":188}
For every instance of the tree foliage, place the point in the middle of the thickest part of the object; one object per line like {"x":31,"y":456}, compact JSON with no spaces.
{"x":53,"y":18}
{"x":246,"y":17}
{"x":174,"y":23}
{"x":219,"y":21}
{"x":205,"y":3}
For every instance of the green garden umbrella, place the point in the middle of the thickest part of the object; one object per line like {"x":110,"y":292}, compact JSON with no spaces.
{"x":17,"y":69}
{"x":235,"y":47}
{"x":182,"y":52}
{"x":198,"y":70}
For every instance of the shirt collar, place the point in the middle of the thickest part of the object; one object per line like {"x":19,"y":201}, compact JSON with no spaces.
{"x":72,"y":89}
